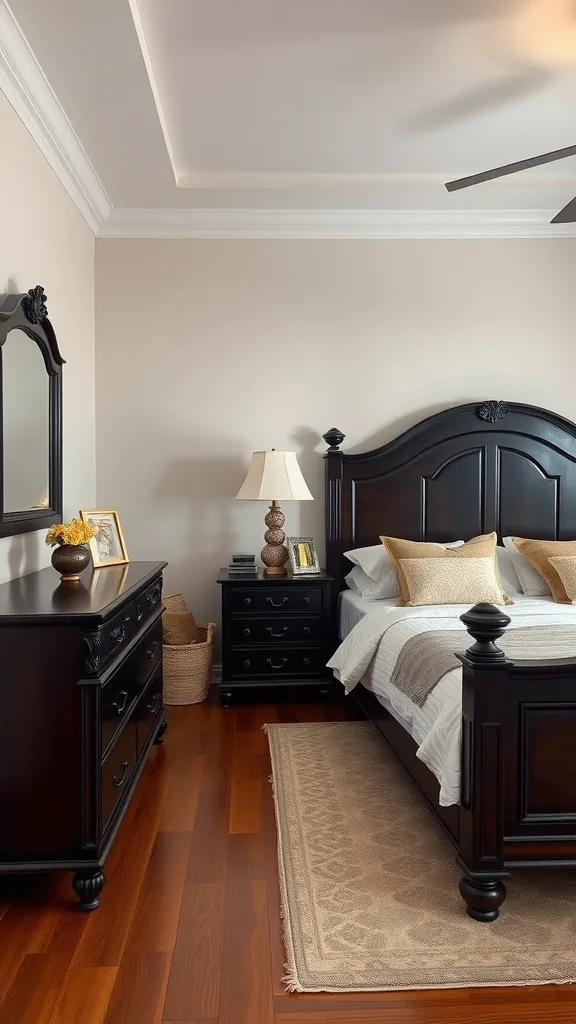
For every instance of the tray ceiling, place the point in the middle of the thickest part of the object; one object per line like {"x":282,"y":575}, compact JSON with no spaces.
{"x":313,"y":104}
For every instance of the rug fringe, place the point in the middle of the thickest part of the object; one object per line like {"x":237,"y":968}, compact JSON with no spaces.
{"x":291,"y":983}
{"x":265,"y":728}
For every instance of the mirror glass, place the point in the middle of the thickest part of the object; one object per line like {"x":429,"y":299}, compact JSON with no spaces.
{"x":25,"y":403}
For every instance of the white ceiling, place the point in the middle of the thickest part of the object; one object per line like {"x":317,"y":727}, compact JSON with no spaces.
{"x":313,"y":104}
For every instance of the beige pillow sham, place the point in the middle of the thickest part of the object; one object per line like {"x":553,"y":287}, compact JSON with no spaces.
{"x":565,"y":566}
{"x":451,"y":580}
{"x":483,"y":546}
{"x":539,"y":553}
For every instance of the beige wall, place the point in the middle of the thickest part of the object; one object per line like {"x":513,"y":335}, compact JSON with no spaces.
{"x":209,"y":349}
{"x":45,"y":240}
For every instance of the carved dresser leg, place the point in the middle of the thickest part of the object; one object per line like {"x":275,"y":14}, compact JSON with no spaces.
{"x":483,"y":897}
{"x":88,"y":885}
{"x":161,"y":731}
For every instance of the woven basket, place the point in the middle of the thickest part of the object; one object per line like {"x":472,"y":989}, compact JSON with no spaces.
{"x":188,"y":668}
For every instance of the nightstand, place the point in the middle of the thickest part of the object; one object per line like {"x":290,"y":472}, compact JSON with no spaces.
{"x":276,"y":632}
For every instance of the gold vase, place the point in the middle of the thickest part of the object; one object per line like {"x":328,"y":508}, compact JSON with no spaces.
{"x":70,"y":560}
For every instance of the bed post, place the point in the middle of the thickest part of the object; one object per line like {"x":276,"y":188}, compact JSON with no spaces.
{"x":333,"y":504}
{"x":484,"y":676}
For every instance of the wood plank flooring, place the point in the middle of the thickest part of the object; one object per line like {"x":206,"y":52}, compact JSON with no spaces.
{"x":189,"y":929}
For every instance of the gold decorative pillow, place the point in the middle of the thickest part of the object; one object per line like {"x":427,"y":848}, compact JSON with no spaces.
{"x":451,"y":580}
{"x":539,"y":553}
{"x":483,"y":546}
{"x":565,"y":566}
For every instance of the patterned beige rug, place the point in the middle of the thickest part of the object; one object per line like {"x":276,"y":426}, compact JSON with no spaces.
{"x":369,"y":883}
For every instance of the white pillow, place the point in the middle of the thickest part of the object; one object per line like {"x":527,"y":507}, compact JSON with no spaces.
{"x":532,"y":583}
{"x":368,"y":589}
{"x":508,"y":573}
{"x":375,"y":562}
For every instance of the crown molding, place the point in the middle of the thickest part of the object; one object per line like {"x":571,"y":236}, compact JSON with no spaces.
{"x":26,"y":88}
{"x":337,"y":224}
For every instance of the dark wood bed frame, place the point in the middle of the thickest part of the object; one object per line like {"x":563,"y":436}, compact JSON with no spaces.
{"x":466,"y":471}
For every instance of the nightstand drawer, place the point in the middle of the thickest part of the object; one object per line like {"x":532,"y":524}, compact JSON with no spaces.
{"x":282,"y":661}
{"x":272,"y":600}
{"x":282,"y":629}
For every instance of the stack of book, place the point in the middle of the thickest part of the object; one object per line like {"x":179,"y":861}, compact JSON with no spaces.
{"x":243,"y":565}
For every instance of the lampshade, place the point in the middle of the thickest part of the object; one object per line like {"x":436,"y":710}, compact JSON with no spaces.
{"x":274,"y":476}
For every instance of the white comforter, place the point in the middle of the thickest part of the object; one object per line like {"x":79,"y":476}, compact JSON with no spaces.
{"x":370,"y":650}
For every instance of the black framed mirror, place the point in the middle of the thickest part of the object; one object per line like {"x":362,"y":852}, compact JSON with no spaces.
{"x":30,"y":415}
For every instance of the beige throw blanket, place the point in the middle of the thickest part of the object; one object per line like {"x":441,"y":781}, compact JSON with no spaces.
{"x":425,"y":658}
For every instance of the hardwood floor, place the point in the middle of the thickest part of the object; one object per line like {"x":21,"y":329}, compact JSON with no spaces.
{"x":189,"y":928}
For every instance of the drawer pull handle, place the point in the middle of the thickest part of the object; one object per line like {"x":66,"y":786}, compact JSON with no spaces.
{"x":277,"y":604}
{"x":119,"y":705}
{"x":154,"y":706}
{"x":246,"y":631}
{"x":151,"y":651}
{"x":306,"y":662}
{"x":119,"y":633}
{"x":119,"y":780}
{"x":247,"y":601}
{"x":306,"y":630}
{"x":246,"y":664}
{"x":306,"y":600}
{"x":272,"y":665}
{"x":281,"y":633}
{"x":154,"y":597}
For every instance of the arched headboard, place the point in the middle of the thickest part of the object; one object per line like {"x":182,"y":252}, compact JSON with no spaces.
{"x":468,"y":470}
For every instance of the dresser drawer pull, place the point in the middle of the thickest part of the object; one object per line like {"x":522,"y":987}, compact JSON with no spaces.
{"x":277,"y":604}
{"x":306,"y":629}
{"x":119,"y":634}
{"x":306,"y":662}
{"x":272,"y":665}
{"x":151,"y":651}
{"x":306,"y":600}
{"x":154,"y":706}
{"x":119,"y":780}
{"x":247,"y":601}
{"x":246,"y":631}
{"x":119,"y":705}
{"x":154,"y":597}
{"x":246,"y":664}
{"x":281,"y":633}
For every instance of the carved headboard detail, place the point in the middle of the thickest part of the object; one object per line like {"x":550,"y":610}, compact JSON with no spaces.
{"x":468,"y":470}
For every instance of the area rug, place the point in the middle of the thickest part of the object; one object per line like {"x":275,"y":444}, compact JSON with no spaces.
{"x":369,"y":883}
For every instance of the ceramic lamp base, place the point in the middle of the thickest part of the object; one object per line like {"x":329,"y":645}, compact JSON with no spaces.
{"x":274,"y":554}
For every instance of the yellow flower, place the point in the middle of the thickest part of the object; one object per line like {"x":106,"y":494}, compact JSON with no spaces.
{"x":75,"y":532}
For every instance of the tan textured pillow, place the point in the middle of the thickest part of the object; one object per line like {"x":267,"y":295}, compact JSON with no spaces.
{"x":451,"y":580}
{"x":539,"y":553}
{"x":483,"y":546}
{"x":179,"y":628}
{"x":565,"y":566}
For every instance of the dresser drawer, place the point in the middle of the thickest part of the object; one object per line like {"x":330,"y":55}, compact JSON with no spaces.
{"x":149,"y":652}
{"x":116,"y":772}
{"x":278,"y":662}
{"x":148,"y":709}
{"x":117,"y":633}
{"x":281,"y":629}
{"x":117,"y":697}
{"x":273,"y":600}
{"x":148,"y":601}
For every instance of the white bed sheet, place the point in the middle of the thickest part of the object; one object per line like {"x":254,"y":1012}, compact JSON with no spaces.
{"x":352,"y":608}
{"x":436,"y":726}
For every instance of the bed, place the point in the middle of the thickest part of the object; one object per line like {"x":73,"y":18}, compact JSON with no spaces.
{"x":471,"y":470}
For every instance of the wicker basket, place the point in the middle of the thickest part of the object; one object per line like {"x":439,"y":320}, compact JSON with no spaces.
{"x":188,"y":668}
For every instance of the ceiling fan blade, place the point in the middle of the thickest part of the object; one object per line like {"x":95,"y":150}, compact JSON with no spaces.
{"x":567,"y":214}
{"x":519,"y":165}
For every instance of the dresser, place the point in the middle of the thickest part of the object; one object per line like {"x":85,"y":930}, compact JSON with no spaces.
{"x":277,"y":631}
{"x":80,"y":707}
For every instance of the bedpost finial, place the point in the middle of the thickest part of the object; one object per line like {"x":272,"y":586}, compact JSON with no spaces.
{"x":333,"y":438}
{"x":486,"y":624}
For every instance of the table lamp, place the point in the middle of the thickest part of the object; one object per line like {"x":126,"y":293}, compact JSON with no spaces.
{"x":274,"y":476}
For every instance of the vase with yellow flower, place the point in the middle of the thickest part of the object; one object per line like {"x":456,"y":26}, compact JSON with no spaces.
{"x":71,"y":554}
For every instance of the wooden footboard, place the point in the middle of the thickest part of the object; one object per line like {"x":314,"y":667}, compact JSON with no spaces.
{"x":518,"y":790}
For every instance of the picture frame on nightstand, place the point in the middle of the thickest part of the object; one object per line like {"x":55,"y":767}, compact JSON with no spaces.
{"x":303,"y":556}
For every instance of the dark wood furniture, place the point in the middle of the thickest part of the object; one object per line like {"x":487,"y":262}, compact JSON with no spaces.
{"x":81,"y":706}
{"x":470,"y":470}
{"x":27,"y":315}
{"x":276,"y":631}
